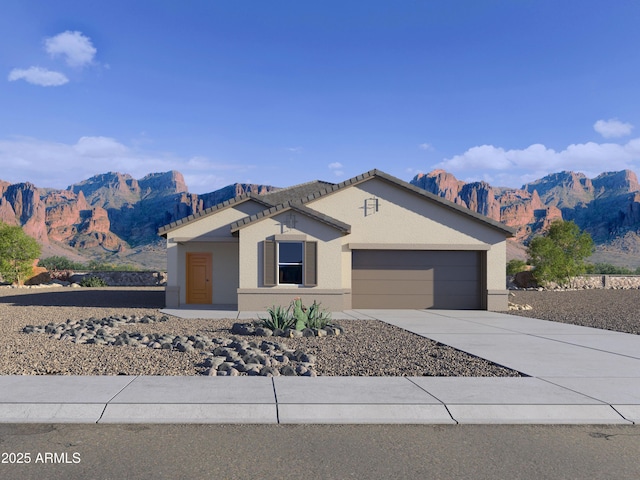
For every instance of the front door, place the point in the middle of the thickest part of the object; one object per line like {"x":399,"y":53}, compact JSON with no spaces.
{"x":199,"y":269}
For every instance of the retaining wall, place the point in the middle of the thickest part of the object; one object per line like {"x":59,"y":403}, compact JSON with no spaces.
{"x":125,"y":279}
{"x":587,"y":282}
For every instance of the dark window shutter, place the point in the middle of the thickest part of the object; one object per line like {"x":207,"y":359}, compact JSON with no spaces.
{"x":310,"y":264}
{"x":269,"y":263}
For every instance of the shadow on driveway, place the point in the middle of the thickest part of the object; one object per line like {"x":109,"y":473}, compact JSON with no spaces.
{"x":93,"y":297}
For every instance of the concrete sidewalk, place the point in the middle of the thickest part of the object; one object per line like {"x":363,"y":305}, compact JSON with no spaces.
{"x":576,"y":375}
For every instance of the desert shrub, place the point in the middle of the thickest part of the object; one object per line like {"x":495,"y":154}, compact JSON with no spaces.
{"x":317,"y":317}
{"x":609,"y":269}
{"x":59,"y":263}
{"x":96,"y":266}
{"x":279,"y":317}
{"x":516,"y":266}
{"x":312,"y":317}
{"x":296,"y":316}
{"x":93,"y":282}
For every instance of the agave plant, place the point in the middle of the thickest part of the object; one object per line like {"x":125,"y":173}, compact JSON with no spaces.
{"x":279,"y":317}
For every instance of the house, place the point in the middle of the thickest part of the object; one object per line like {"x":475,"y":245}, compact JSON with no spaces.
{"x":373,"y":241}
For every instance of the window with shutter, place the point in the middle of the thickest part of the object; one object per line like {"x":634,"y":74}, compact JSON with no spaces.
{"x":290,"y":263}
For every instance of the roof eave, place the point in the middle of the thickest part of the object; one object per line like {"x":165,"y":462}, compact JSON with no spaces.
{"x":164,"y":230}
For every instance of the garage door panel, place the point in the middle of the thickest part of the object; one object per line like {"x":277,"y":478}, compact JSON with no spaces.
{"x":413,"y":275}
{"x":378,"y":287}
{"x":455,"y":274}
{"x":416,"y":279}
{"x":441,"y":289}
{"x":397,"y":301}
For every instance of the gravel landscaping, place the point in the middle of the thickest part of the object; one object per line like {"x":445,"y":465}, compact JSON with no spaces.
{"x":120,"y":331}
{"x":617,"y":310}
{"x":363,"y":348}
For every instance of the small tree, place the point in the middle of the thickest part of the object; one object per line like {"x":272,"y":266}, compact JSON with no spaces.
{"x":17,"y":253}
{"x":516,"y":266}
{"x":559,"y":255}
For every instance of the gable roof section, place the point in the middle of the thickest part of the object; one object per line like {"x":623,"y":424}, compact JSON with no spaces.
{"x":162,"y":231}
{"x":295,"y":192}
{"x":296,"y":206}
{"x":297,"y":196}
{"x":375,"y":173}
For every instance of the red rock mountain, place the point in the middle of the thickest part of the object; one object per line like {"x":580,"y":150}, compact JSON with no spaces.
{"x":115,"y":215}
{"x":109,"y":214}
{"x":608,"y":206}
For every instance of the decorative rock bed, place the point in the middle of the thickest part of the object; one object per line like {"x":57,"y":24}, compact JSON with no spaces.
{"x":253,"y":329}
{"x":222,"y":356}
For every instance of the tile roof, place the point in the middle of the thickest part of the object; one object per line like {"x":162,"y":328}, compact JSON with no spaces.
{"x":294,"y":193}
{"x":211,"y":210}
{"x":297,"y":196}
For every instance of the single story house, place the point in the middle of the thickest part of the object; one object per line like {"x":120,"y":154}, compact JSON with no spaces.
{"x":373,"y":241}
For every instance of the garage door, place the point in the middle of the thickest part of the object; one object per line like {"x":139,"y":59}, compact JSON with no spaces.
{"x":416,"y":279}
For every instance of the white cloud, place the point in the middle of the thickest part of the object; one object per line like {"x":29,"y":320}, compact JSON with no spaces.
{"x":336,"y":168}
{"x":99,"y":147}
{"x":425,"y":146}
{"x":511,"y":166}
{"x":38,"y":76}
{"x":612,"y":128}
{"x":295,"y":149}
{"x":76,"y":48}
{"x":57,"y":165}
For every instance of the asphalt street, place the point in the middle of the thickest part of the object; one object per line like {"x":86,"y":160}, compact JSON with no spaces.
{"x":476,"y":452}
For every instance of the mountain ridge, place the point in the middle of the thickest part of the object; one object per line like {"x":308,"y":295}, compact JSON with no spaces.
{"x":607,"y":206}
{"x":111,"y":216}
{"x":115,"y":217}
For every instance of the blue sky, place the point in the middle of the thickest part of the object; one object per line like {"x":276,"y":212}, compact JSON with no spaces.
{"x":283,"y":92}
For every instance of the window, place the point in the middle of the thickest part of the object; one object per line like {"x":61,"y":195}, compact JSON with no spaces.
{"x":290,"y":263}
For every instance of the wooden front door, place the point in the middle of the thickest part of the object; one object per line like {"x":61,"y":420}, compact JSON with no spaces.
{"x":199,"y":272}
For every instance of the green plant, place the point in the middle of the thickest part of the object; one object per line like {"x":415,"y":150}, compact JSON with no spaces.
{"x":18,"y":252}
{"x":299,"y":314}
{"x":312,"y":317}
{"x":609,"y":269}
{"x":96,"y":266}
{"x":279,"y":317}
{"x":316,"y":317}
{"x":515,"y":266}
{"x":296,"y":316}
{"x":57,"y":263}
{"x":559,"y":255}
{"x":93,"y":282}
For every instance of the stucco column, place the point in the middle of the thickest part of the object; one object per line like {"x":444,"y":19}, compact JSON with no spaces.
{"x":172,"y":290}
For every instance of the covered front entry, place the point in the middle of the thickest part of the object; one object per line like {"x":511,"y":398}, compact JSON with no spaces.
{"x":417,"y":279}
{"x":199,"y":276}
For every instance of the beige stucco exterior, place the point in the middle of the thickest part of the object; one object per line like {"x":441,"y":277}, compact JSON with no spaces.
{"x":253,"y":295}
{"x":210,"y":234}
{"x":382,"y":215}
